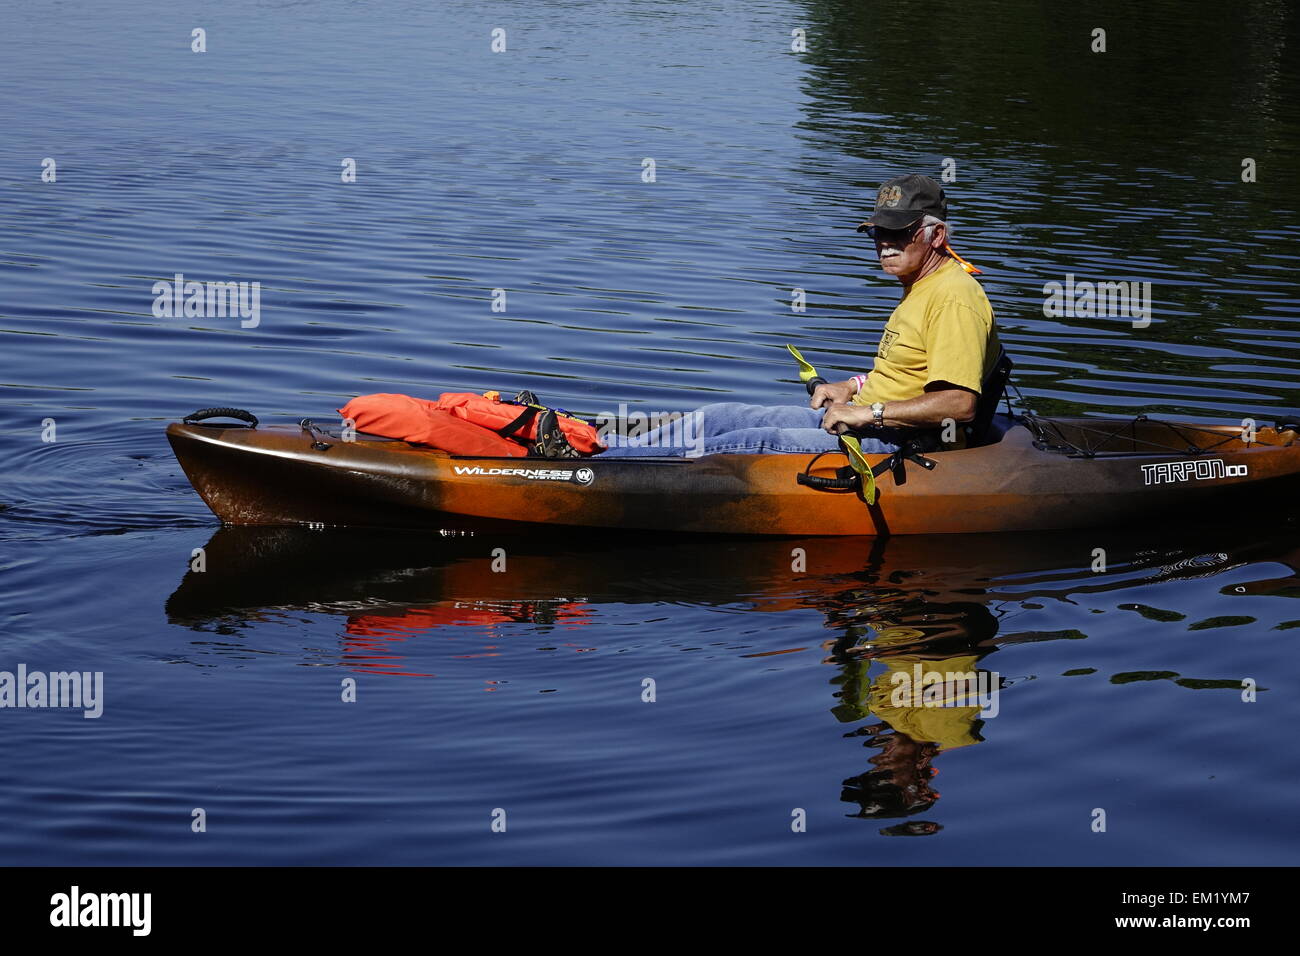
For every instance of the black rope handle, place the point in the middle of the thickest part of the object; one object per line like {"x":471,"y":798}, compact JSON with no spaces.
{"x":223,"y":412}
{"x":846,"y":478}
{"x":827,"y":484}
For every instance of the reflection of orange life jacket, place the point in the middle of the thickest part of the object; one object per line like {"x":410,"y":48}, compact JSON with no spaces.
{"x":461,"y":423}
{"x":567,"y":614}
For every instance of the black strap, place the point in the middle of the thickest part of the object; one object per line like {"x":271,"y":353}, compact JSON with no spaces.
{"x":910,"y":450}
{"x":916,"y":440}
{"x":222,"y":412}
{"x":524,"y":418}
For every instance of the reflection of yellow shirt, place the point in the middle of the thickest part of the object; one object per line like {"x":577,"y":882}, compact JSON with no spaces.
{"x":942,"y":331}
{"x":949,"y":727}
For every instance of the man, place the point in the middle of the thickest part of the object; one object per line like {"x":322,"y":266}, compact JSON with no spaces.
{"x":937,"y":347}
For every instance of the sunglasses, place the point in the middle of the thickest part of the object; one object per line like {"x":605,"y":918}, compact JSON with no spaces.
{"x":896,"y":236}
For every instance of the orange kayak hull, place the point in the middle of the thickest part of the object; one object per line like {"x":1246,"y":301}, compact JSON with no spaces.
{"x":285,"y":475}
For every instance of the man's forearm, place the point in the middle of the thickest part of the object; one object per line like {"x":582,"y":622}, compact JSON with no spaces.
{"x":933,"y":409}
{"x":930,"y":410}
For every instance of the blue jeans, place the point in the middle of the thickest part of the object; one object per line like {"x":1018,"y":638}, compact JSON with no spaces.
{"x":735,"y":428}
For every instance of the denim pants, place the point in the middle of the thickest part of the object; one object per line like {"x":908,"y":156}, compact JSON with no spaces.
{"x":736,"y":428}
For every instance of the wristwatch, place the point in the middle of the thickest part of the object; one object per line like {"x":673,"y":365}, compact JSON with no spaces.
{"x":878,"y":414}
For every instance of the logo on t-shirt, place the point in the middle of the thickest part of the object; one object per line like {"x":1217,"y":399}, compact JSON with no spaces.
{"x":886,"y":340}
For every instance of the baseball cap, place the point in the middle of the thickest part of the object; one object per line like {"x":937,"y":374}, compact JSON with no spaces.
{"x":904,"y":200}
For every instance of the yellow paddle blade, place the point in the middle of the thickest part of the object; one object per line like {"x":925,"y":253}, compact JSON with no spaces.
{"x":806,"y":371}
{"x":859,"y":463}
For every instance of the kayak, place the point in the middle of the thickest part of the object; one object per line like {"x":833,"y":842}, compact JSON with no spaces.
{"x":1040,"y":475}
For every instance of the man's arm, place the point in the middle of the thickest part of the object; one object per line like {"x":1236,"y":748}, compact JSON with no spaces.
{"x":940,"y":401}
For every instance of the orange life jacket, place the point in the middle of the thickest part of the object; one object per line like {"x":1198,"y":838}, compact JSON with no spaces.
{"x":463,"y":423}
{"x":424,"y":423}
{"x":498,"y":415}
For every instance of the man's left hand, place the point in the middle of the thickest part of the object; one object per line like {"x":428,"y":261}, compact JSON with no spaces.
{"x":840,"y":419}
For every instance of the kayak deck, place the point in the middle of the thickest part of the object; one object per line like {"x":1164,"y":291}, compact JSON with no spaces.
{"x":289,"y":475}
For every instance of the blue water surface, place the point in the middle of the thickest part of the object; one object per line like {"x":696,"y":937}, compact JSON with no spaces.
{"x":522,"y":695}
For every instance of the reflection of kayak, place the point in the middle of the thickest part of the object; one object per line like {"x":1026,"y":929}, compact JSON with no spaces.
{"x":400,"y":603}
{"x":354,"y":571}
{"x":1067,"y":473}
{"x":363,"y":571}
{"x":915,"y":591}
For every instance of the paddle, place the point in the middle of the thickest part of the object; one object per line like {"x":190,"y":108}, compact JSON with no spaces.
{"x":860,"y":465}
{"x":808,"y":375}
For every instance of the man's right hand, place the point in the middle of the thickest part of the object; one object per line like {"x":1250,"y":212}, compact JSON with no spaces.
{"x":833,"y":393}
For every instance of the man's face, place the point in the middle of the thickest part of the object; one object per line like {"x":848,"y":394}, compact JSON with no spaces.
{"x":902,"y":251}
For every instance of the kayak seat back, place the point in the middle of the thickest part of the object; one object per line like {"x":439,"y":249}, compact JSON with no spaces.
{"x":980,"y":430}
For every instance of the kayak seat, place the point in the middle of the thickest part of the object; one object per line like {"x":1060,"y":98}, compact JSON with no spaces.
{"x":999,"y":425}
{"x":983,"y":429}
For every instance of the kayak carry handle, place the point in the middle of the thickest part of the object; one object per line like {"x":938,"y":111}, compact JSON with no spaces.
{"x":223,"y":412}
{"x":829,"y":484}
{"x":847,"y":478}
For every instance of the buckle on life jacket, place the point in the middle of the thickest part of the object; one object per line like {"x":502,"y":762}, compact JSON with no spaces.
{"x":550,"y":441}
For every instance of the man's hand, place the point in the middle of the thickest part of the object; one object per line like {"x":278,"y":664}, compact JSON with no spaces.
{"x":833,"y":393}
{"x":841,"y":418}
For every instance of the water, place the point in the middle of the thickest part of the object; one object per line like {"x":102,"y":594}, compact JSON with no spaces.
{"x":522,"y":171}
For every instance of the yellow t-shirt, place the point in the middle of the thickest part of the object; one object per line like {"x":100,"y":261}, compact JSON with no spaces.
{"x":942,"y":331}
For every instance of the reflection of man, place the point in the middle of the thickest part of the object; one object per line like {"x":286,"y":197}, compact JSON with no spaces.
{"x":903,"y":631}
